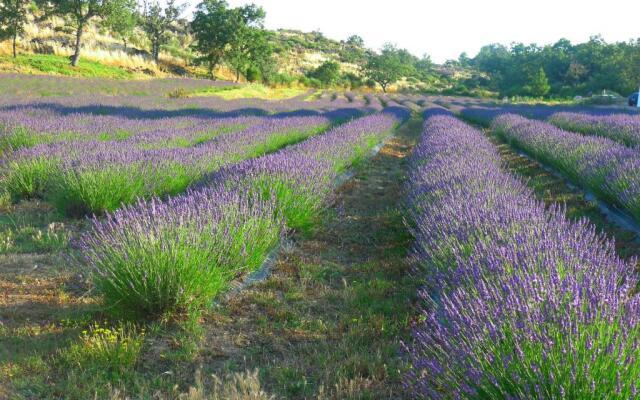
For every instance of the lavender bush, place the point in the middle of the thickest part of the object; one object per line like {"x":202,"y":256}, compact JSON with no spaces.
{"x":518,"y":302}
{"x":300,"y":177}
{"x":91,"y":176}
{"x":160,"y":257}
{"x":157,"y":257}
{"x":609,"y":169}
{"x":622,"y":128}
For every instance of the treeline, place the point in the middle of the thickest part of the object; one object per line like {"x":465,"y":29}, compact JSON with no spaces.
{"x":382,"y":68}
{"x":561,"y":69}
{"x":219,"y":34}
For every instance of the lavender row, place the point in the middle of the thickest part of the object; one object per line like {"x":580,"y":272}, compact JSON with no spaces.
{"x":484,"y":112}
{"x":609,"y":169}
{"x":157,"y":107}
{"x":24,"y":127}
{"x":157,"y":257}
{"x":622,"y":128}
{"x":97,"y":176}
{"x":30,"y":124}
{"x":518,"y":302}
{"x":306,"y":170}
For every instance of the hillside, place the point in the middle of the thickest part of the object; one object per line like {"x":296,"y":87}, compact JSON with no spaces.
{"x":46,"y":45}
{"x":298,"y":52}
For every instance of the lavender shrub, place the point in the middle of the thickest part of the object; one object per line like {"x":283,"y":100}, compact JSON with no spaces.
{"x":518,"y":302}
{"x":609,"y":169}
{"x":622,"y":128}
{"x":157,"y":257}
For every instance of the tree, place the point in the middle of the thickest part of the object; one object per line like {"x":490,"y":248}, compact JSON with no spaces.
{"x":355,"y":41}
{"x":249,"y":49}
{"x":387,"y":67}
{"x":464,"y":60}
{"x":235,"y":35}
{"x":213,"y":30}
{"x":539,"y":84}
{"x":83,"y":11}
{"x":423,"y":67}
{"x":13,"y":16}
{"x":157,"y":21}
{"x":248,"y":46}
{"x":327,"y":73}
{"x":353,"y":50}
{"x":123,"y":20}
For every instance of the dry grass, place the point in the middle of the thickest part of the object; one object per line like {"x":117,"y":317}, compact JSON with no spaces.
{"x":237,"y":386}
{"x":255,"y":91}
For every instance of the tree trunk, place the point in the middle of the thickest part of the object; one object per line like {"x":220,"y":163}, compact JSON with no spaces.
{"x":384,"y":87}
{"x":15,"y":36}
{"x":211,"y":74}
{"x":76,"y":55}
{"x":124,"y":40}
{"x":237,"y":75}
{"x":156,"y":50}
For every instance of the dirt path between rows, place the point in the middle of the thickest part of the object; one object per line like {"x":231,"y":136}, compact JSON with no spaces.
{"x":327,"y":323}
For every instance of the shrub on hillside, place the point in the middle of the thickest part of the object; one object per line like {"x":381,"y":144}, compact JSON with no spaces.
{"x":253,"y":74}
{"x":328,"y":73}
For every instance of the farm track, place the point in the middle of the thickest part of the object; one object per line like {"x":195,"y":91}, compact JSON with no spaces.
{"x":327,"y":323}
{"x":552,"y":188}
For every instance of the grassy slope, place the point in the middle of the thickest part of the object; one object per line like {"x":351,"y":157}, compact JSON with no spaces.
{"x":59,"y":65}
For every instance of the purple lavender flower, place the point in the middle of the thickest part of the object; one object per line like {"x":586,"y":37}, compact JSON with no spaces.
{"x":518,"y":302}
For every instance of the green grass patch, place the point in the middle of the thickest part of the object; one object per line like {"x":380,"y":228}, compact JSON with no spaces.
{"x":279,"y":140}
{"x":60,"y":65}
{"x":299,"y":205}
{"x":24,"y":179}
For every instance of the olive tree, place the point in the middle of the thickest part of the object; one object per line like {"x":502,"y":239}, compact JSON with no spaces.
{"x":123,"y":21}
{"x":213,"y":30}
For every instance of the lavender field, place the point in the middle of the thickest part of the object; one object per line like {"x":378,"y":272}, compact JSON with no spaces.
{"x":333,"y":245}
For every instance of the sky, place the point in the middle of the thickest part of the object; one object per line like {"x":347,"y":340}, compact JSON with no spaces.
{"x":445,"y":28}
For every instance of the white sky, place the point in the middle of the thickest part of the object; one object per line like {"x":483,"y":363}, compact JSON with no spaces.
{"x":445,"y":28}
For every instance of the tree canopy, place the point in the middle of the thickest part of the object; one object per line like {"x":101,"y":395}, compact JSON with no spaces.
{"x":234,"y":35}
{"x":123,"y":20}
{"x":328,"y":73}
{"x":389,"y":65}
{"x":569,"y":69}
